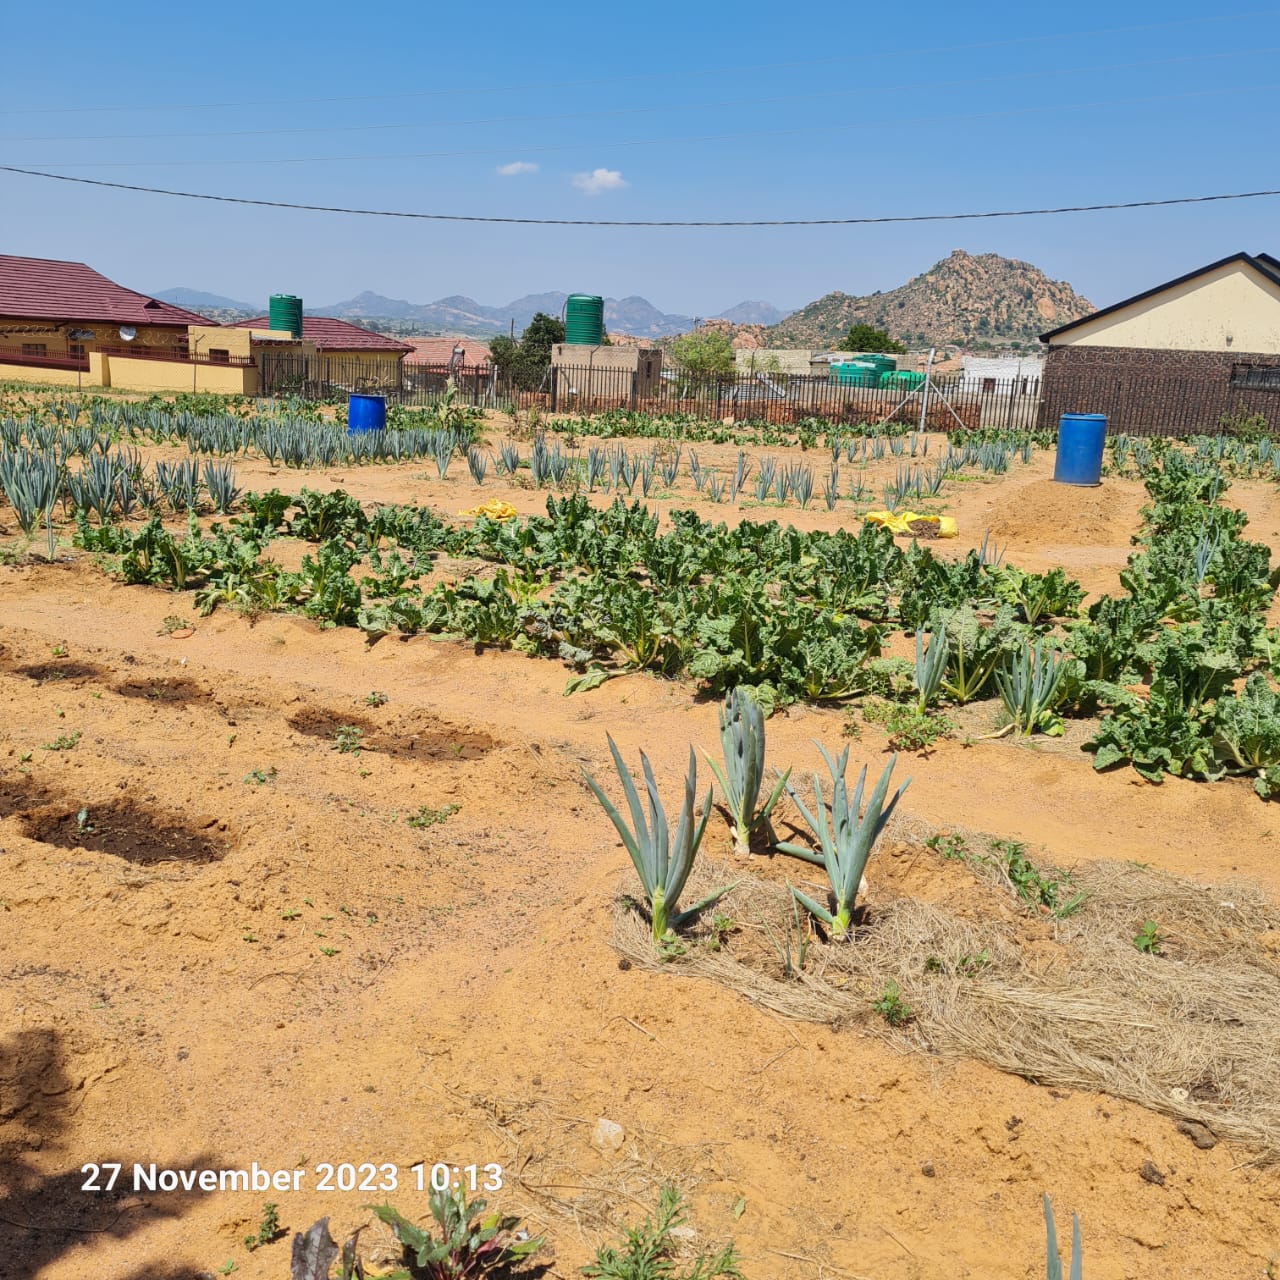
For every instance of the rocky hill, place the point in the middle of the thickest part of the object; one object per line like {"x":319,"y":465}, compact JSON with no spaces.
{"x":965,"y":299}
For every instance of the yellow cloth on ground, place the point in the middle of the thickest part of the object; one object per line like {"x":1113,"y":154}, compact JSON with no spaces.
{"x":494,"y":509}
{"x":898,"y":522}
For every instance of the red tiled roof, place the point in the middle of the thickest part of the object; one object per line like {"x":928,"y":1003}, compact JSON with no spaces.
{"x":46,"y":289}
{"x":334,"y":335}
{"x":438,"y":351}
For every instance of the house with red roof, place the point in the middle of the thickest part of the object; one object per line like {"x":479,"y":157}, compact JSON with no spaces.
{"x":448,"y":353}
{"x":332,"y":351}
{"x":55,"y":313}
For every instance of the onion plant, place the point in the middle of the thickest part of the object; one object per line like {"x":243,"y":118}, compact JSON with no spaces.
{"x":846,"y":841}
{"x":1053,"y":1264}
{"x":931,"y":667}
{"x":741,"y":780}
{"x":1032,"y":684}
{"x":662,"y":860}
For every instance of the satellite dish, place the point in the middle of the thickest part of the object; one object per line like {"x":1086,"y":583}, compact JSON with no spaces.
{"x":128,"y":332}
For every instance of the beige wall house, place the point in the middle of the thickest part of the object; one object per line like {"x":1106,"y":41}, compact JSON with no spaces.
{"x":1177,"y":359}
{"x":333,"y":352}
{"x":55,"y":316}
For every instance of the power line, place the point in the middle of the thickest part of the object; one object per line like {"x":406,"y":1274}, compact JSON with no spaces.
{"x":601,"y":222}
{"x":878,"y":55}
{"x":861,"y":91}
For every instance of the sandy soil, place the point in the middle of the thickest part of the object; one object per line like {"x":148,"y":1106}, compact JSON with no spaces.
{"x":306,"y":978}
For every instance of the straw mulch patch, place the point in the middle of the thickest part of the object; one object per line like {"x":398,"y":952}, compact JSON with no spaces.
{"x":1192,"y":1032}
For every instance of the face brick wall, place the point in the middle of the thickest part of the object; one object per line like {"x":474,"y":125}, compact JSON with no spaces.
{"x":1145,"y":392}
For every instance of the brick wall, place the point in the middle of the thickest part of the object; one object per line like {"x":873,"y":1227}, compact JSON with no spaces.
{"x":1145,"y":392}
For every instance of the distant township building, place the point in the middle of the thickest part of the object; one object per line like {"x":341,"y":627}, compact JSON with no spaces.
{"x":1178,"y":358}
{"x":438,"y":353}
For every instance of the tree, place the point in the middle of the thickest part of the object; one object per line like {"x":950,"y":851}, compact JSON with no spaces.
{"x":863,"y":337}
{"x":526,"y":362}
{"x":702,"y":353}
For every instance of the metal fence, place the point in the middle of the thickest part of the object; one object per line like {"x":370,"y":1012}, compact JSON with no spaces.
{"x":952,"y":401}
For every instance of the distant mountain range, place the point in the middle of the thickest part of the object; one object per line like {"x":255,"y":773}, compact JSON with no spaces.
{"x":965,"y":299}
{"x":198,"y":300}
{"x":458,"y":314}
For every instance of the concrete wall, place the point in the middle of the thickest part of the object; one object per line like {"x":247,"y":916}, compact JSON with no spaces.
{"x":203,"y":338}
{"x":1002,"y":368}
{"x":129,"y":374}
{"x":44,"y":375}
{"x":600,"y":374}
{"x":779,"y":360}
{"x":1234,"y":308}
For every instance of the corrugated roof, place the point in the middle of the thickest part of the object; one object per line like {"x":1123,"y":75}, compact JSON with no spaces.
{"x":438,"y":351}
{"x":334,"y":335}
{"x":47,"y":289}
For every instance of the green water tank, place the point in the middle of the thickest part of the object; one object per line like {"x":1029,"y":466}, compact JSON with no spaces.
{"x":584,"y":320}
{"x":901,"y":380}
{"x":284,"y":312}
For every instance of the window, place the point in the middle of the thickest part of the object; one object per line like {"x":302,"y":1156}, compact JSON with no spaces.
{"x":1256,"y":377}
{"x":219,"y":355}
{"x":988,"y":384}
{"x":75,"y":350}
{"x":35,"y":349}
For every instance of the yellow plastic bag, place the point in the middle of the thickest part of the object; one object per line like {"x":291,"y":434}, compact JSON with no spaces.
{"x":901,"y":522}
{"x":494,"y":509}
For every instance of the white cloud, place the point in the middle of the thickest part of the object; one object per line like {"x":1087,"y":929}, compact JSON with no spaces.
{"x":597,"y":181}
{"x":515,"y":168}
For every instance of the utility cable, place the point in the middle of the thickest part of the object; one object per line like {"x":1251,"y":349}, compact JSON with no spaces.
{"x":603,"y":222}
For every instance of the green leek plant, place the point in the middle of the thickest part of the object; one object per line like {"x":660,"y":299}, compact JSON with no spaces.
{"x":931,"y":667}
{"x":742,"y":739}
{"x":847,"y":840}
{"x":1032,"y":686}
{"x":1053,"y":1265}
{"x":662,"y":861}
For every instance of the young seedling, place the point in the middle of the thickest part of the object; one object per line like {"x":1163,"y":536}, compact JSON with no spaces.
{"x":64,"y":742}
{"x":741,"y":780}
{"x":426,"y":817}
{"x":847,"y":840}
{"x":662,"y":861}
{"x":1053,"y":1268}
{"x":268,"y":1228}
{"x":375,"y":699}
{"x":347,"y":739}
{"x":1148,"y":939}
{"x":649,"y":1251}
{"x":260,"y":777}
{"x":891,"y":1007}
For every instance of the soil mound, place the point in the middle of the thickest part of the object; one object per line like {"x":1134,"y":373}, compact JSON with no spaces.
{"x":1047,"y":513}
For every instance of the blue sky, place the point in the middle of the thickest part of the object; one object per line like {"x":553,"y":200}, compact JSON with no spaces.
{"x":632,"y":112}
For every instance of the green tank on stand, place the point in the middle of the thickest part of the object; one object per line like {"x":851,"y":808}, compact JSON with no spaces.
{"x":862,"y":371}
{"x":284,"y":312}
{"x":584,"y":320}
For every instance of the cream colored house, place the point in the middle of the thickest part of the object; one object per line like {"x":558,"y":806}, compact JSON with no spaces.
{"x":1177,"y":359}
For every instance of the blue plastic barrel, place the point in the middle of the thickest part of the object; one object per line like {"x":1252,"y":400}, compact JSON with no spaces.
{"x":366,"y":413}
{"x":1081,"y":437}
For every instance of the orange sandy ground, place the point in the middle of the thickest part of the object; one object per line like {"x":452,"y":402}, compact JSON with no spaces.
{"x":473,"y":1010}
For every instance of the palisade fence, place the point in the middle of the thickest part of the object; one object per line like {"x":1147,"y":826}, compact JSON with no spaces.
{"x":777,"y":398}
